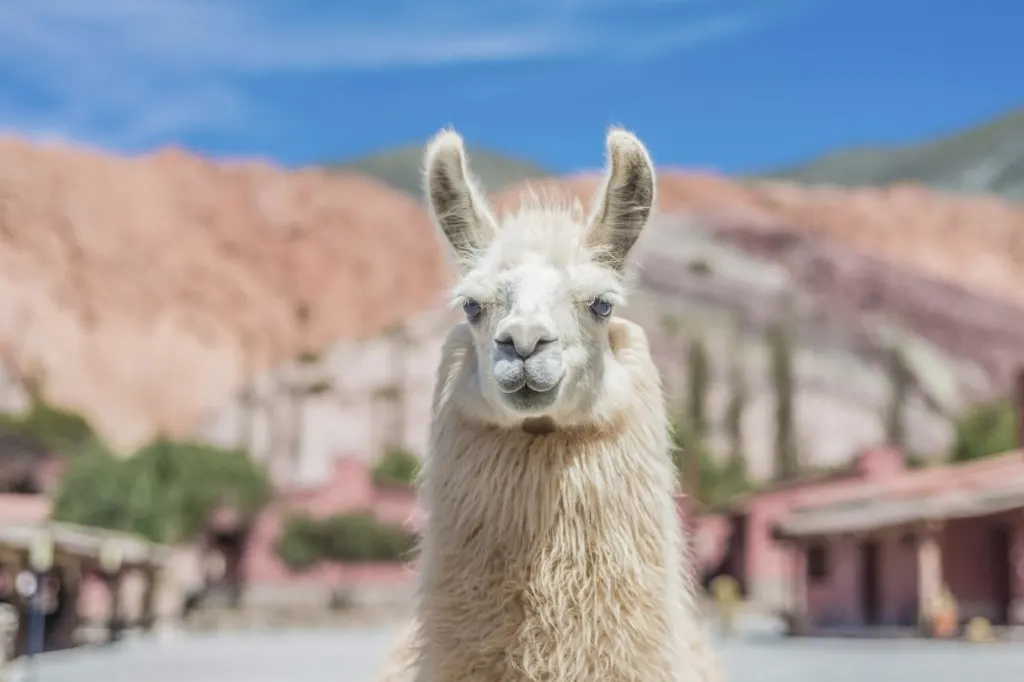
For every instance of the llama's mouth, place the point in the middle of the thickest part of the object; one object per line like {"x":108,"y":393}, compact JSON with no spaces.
{"x":530,"y":400}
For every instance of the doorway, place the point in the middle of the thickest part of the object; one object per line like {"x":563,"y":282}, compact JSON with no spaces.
{"x":1002,"y":575}
{"x":869,"y":581}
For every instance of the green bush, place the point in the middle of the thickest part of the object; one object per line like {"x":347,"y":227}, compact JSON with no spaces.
{"x":93,"y":491}
{"x":397,"y":466}
{"x":350,"y":538}
{"x":298,"y":546}
{"x":986,"y":429}
{"x":360,"y":537}
{"x":166,"y":491}
{"x":51,"y":428}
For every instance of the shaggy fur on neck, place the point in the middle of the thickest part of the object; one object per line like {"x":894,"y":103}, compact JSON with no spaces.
{"x":553,"y":557}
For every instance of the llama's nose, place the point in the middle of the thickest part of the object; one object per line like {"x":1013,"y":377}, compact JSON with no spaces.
{"x":525,"y":336}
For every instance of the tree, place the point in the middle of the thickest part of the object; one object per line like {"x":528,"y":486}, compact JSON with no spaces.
{"x":900,"y":380}
{"x":781,"y":359}
{"x":166,"y":491}
{"x":986,"y":429}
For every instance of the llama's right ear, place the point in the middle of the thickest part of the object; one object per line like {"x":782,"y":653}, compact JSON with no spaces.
{"x":456,"y":206}
{"x":626,"y":200}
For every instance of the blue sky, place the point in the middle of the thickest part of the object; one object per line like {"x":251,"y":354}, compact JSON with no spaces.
{"x":734,"y":85}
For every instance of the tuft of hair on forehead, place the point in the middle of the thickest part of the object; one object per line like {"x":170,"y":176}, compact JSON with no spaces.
{"x":550,"y":198}
{"x":546,"y":226}
{"x":546,"y":222}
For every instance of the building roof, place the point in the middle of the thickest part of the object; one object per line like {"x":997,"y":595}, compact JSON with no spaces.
{"x":956,"y":491}
{"x":848,"y":471}
{"x":84,"y":542}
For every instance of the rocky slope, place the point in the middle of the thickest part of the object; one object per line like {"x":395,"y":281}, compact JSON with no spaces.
{"x":146,"y":288}
{"x":975,"y":241}
{"x":856,"y":272}
{"x":149,"y":290}
{"x":859,"y":271}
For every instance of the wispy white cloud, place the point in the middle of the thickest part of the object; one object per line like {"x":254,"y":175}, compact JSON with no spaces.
{"x":123,"y":73}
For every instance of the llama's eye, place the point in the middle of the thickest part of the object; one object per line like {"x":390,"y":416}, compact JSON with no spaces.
{"x":471,"y":308}
{"x":601,"y":307}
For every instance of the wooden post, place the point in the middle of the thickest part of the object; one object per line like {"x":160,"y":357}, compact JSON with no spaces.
{"x":66,"y":625}
{"x":114,"y":622}
{"x":929,"y":570}
{"x":1017,"y":572}
{"x":149,"y":591}
{"x":18,"y":563}
{"x":798,"y":553}
{"x":795,"y":602}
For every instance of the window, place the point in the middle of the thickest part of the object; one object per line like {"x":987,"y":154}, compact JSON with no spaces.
{"x":817,"y":562}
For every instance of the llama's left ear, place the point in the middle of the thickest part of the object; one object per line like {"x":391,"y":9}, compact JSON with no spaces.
{"x":624,"y":205}
{"x":456,"y":205}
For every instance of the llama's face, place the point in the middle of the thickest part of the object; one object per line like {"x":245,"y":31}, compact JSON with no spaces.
{"x":539,"y":287}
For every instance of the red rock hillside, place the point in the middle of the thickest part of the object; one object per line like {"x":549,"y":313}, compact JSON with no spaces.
{"x":144,"y":289}
{"x":974,"y":241}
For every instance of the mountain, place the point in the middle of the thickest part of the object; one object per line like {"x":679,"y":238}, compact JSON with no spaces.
{"x":402,"y":168}
{"x":855,"y":272}
{"x":294,"y":310}
{"x":146,"y":290}
{"x":985,"y":158}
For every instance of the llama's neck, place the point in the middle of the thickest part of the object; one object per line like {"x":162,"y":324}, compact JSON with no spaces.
{"x":563,"y":550}
{"x":523,"y":485}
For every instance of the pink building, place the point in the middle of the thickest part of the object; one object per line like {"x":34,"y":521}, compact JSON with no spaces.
{"x":878,"y":552}
{"x":742,"y":533}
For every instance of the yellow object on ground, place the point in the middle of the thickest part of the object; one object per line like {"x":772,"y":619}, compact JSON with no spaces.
{"x":726,"y":591}
{"x":979,"y":630}
{"x":945,"y":614}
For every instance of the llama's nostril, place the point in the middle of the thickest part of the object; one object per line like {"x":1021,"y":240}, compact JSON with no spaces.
{"x":523,"y":348}
{"x":542,"y":344}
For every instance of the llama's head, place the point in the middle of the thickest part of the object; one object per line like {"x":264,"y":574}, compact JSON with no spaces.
{"x":539,"y":286}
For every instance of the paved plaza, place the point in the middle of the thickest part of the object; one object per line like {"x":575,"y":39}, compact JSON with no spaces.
{"x":352,"y":656}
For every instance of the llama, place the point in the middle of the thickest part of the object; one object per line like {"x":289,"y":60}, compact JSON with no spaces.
{"x":552,"y":549}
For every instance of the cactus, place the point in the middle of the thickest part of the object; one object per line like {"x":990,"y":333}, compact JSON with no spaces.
{"x":734,"y":410}
{"x":900,"y":383}
{"x":699,"y":379}
{"x":781,"y":354}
